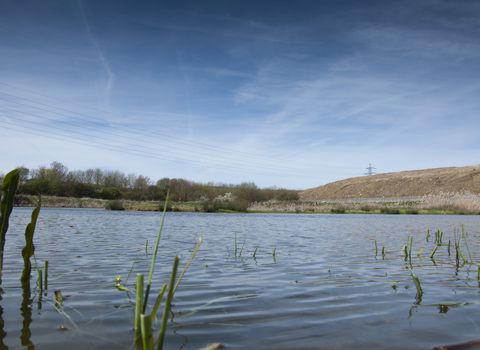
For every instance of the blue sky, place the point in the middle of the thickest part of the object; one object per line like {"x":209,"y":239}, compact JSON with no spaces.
{"x":291,"y":94}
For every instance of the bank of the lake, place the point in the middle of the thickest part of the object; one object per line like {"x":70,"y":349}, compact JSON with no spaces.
{"x":430,"y":205}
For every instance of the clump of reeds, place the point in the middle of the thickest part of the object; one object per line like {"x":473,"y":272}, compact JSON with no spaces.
{"x":114,"y":205}
{"x":143,"y":322}
{"x":458,"y":203}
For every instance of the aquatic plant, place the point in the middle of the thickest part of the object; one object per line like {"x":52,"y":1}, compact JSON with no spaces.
{"x":143,"y":322}
{"x":416,"y":281}
{"x":255,"y":252}
{"x":9,"y":187}
{"x":29,"y":249}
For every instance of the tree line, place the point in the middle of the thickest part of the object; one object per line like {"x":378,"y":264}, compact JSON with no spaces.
{"x":58,"y":180}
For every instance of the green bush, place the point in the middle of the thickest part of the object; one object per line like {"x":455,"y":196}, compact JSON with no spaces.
{"x":248,"y":192}
{"x":161,"y":206}
{"x":411,"y":211}
{"x":82,"y":190}
{"x":390,"y":211}
{"x":286,"y":195}
{"x":110,"y":193}
{"x":114,"y":205}
{"x":32,"y":187}
{"x":366,"y":207}
{"x":338,"y":210}
{"x":21,"y":199}
{"x":238,"y":206}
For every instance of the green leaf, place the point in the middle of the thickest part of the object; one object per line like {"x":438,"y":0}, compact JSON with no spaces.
{"x":123,"y":289}
{"x":29,"y":249}
{"x":9,"y":187}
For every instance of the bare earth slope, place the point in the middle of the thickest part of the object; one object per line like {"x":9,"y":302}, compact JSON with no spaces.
{"x":402,"y":184}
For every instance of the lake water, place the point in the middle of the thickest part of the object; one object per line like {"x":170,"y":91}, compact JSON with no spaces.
{"x":325,"y":288}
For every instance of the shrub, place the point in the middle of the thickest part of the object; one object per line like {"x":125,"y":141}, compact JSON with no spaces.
{"x":31,"y":187}
{"x":110,"y":193}
{"x":82,"y":190}
{"x":411,"y":211}
{"x":161,"y":206}
{"x":114,"y":205}
{"x":248,"y":192}
{"x":211,"y":207}
{"x":339,"y":210}
{"x":21,"y":199}
{"x":366,"y":207}
{"x":390,"y":211}
{"x":286,"y":195}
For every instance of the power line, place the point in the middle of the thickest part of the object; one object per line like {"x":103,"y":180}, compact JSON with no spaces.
{"x":143,"y":154}
{"x":143,"y":131}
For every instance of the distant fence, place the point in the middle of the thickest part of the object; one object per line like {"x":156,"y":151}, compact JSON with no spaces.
{"x":383,"y":199}
{"x":362,"y":200}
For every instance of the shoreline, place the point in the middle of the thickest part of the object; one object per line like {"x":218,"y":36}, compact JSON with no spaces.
{"x":398,"y":206}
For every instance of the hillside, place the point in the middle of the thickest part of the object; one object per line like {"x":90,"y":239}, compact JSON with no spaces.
{"x":401,"y":184}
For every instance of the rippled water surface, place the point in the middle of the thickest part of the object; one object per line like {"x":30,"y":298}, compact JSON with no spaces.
{"x":325,"y":288}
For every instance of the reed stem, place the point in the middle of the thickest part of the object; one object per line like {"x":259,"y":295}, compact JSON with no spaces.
{"x":46,"y":274}
{"x":138,"y":302}
{"x":146,"y":325}
{"x":149,"y":283}
{"x":168,"y":301}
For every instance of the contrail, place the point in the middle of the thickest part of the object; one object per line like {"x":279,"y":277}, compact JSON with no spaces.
{"x":105,"y":64}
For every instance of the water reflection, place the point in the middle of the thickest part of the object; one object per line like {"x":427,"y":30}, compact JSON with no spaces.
{"x":3,"y":334}
{"x":26,"y":312}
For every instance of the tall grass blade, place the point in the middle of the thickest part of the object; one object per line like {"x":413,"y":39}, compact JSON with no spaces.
{"x":168,"y":301}
{"x":243,"y":245}
{"x":404,"y":250}
{"x":274,"y":250}
{"x":410,"y":250}
{"x":29,"y":249}
{"x":416,"y":281}
{"x":158,"y":301}
{"x":40,"y":280}
{"x":235,"y":243}
{"x":255,"y":252}
{"x":428,"y":234}
{"x":459,"y":252}
{"x":433,"y":253}
{"x":149,"y":283}
{"x":129,"y":272}
{"x":478,"y":273}
{"x":188,"y":263}
{"x":9,"y":187}
{"x":466,"y":244}
{"x":376,"y":248}
{"x":46,"y":274}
